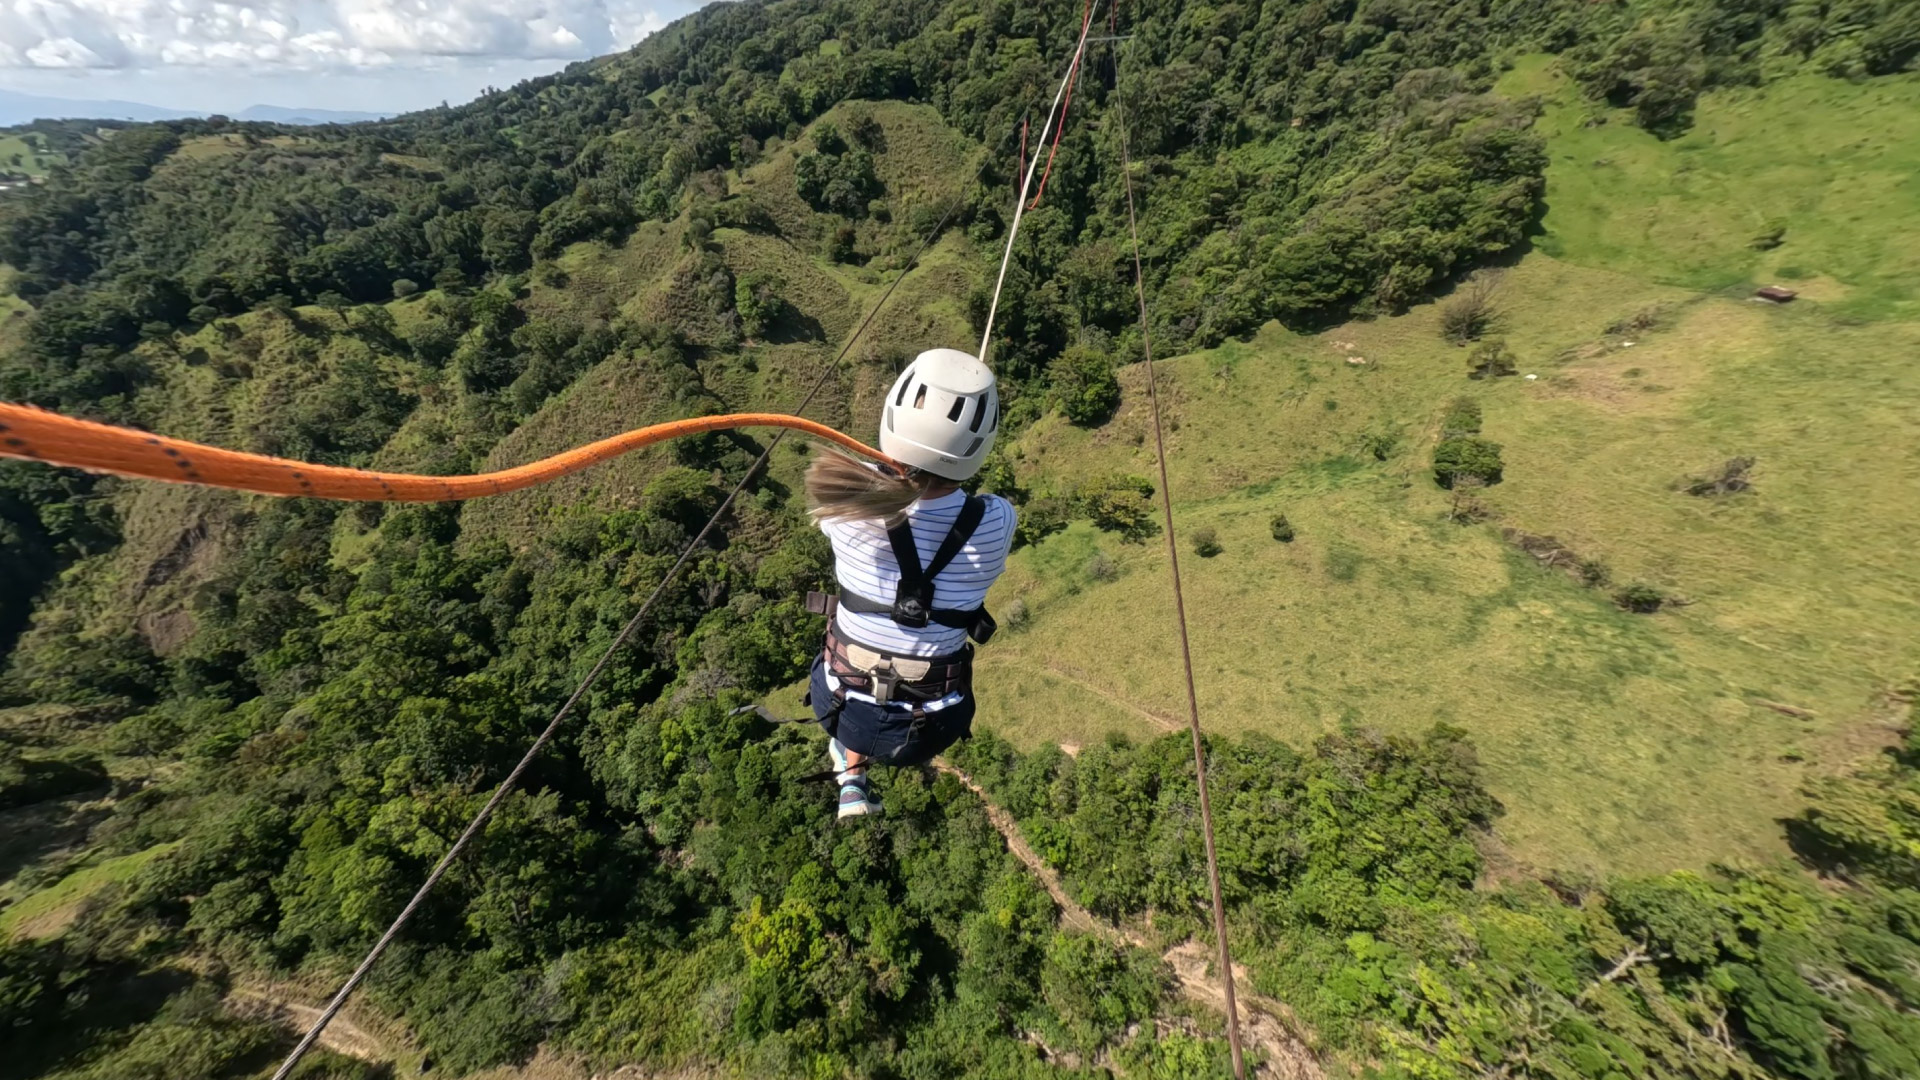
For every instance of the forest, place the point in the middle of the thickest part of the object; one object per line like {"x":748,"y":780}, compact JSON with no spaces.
{"x":288,"y":757}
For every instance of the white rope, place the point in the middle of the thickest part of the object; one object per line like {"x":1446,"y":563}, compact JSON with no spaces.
{"x":1020,"y":206}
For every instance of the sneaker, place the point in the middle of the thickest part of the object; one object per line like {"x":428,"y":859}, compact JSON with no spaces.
{"x":839,"y":755}
{"x":856,"y":798}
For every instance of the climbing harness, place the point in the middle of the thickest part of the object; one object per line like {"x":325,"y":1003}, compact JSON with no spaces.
{"x":912,"y":604}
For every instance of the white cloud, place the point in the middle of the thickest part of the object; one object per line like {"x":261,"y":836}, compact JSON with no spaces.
{"x":311,"y":35}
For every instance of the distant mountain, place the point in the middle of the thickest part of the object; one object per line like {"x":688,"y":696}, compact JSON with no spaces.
{"x":17,"y":108}
{"x":275,"y":114}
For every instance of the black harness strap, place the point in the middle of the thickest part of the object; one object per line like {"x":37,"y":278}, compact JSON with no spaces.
{"x":913,"y":602}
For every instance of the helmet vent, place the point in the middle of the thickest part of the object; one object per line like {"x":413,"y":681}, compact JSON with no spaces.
{"x":901,"y":397}
{"x":979,"y":414}
{"x":920,"y":397}
{"x":972,"y":449}
{"x":991,"y":428}
{"x":958,"y":404}
{"x":889,"y":418}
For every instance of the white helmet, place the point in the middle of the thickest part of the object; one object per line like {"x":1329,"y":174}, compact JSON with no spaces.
{"x":941,"y":414}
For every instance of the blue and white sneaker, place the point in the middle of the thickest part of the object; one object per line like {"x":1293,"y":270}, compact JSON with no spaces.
{"x":839,"y":755}
{"x":856,"y":797}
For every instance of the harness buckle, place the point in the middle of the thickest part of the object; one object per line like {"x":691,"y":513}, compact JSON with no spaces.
{"x":884,"y":678}
{"x":913,"y":603}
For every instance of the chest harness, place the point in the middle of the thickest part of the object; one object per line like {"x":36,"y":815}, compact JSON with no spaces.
{"x":915,"y":680}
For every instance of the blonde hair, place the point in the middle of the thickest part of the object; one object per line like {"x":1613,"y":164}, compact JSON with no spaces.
{"x":841,"y":487}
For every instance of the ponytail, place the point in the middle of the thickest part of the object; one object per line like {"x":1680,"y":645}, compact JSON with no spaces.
{"x":844,"y":488}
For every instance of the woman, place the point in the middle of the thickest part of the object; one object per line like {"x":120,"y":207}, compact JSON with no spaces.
{"x":914,"y":556}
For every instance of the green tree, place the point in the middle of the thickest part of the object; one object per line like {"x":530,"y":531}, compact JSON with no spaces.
{"x":1463,"y":456}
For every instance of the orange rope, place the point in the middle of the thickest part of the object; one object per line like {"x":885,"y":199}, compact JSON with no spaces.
{"x":1073,"y":72}
{"x":39,"y":435}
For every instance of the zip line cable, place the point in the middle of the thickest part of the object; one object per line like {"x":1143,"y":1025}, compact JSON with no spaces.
{"x":1020,"y":204}
{"x":1179,"y":601}
{"x":1073,"y":75}
{"x":626,"y":632}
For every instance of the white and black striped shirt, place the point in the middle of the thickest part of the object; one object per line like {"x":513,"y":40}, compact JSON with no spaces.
{"x":865,"y":566}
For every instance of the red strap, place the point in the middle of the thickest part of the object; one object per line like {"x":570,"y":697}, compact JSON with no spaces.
{"x":1073,"y":74}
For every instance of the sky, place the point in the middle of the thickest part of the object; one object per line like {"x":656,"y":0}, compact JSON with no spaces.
{"x":363,"y":55}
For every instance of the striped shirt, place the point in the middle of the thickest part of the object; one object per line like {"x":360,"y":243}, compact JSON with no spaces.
{"x":865,"y":566}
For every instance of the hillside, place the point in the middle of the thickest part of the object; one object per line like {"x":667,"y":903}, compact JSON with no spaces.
{"x":1615,"y":740}
{"x":1575,"y":774}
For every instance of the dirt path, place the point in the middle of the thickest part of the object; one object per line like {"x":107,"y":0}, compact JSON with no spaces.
{"x":1165,"y":723}
{"x":1266,"y":1023}
{"x":342,"y":1035}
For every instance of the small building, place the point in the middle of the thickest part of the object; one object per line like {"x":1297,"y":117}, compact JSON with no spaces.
{"x":1775,"y":293}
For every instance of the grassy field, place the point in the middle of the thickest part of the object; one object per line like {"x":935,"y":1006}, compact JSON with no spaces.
{"x":1616,"y":741}
{"x":49,"y":911}
{"x":34,"y":159}
{"x":1829,"y":164}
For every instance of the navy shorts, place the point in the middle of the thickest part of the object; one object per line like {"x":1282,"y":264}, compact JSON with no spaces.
{"x":888,"y":735}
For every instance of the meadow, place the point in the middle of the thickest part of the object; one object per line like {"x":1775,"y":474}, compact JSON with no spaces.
{"x":1616,"y":741}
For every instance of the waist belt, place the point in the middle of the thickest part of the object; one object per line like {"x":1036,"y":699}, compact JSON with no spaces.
{"x":913,"y":680}
{"x":977,"y":622}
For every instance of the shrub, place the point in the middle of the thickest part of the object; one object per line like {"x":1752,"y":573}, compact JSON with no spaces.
{"x":1593,"y":573}
{"x":1122,"y":504}
{"x":1735,"y":476}
{"x":1039,"y":519}
{"x":1081,"y":384}
{"x":1463,"y":418}
{"x":1101,"y":567}
{"x":1281,"y":528}
{"x":404,"y":288}
{"x":1640,"y":598}
{"x":1465,"y":456}
{"x":1472,"y":313}
{"x":1491,"y":358}
{"x":1379,"y":444}
{"x":1206,"y":543}
{"x":757,"y":298}
{"x":1015,"y":615}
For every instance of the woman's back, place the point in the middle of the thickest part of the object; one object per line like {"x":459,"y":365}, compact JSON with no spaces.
{"x":865,"y":566}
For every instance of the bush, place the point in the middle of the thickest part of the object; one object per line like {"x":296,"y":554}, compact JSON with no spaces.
{"x":1281,"y":528}
{"x":1015,"y":615}
{"x":1122,"y":504}
{"x":1038,"y":520}
{"x":1206,"y":543}
{"x":1379,"y":444}
{"x":1639,"y":598}
{"x":1102,"y":568}
{"x":1470,"y":314}
{"x":28,"y":779}
{"x":1081,"y":384}
{"x":1734,"y":477}
{"x":1463,"y":418}
{"x":1491,"y":358}
{"x":1465,"y":456}
{"x":756,"y":296}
